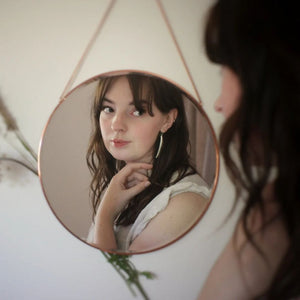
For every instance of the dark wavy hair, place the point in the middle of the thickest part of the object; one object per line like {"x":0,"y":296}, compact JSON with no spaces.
{"x":174,"y":155}
{"x":259,"y":41}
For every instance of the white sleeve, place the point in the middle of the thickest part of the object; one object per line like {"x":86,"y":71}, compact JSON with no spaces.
{"x":160,"y":202}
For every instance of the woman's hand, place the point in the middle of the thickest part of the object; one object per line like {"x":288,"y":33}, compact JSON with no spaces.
{"x":128,"y":182}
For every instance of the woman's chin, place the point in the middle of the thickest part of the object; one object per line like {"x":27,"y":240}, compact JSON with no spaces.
{"x":133,"y":159}
{"x":126,"y":159}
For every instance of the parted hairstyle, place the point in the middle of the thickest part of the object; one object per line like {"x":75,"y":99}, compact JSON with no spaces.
{"x":174,"y":155}
{"x":259,"y":41}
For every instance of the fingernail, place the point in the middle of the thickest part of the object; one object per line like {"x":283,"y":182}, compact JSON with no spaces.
{"x":147,"y":183}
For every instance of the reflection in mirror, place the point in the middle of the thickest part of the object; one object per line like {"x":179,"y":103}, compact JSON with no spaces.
{"x":128,"y":162}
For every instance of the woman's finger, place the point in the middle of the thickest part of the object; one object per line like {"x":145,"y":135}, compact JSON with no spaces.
{"x":132,"y":171}
{"x":134,"y":179}
{"x":137,"y":176}
{"x":133,"y":182}
{"x":136,"y":189}
{"x":132,"y":167}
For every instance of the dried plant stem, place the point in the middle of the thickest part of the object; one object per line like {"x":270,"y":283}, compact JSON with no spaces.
{"x":34,"y":171}
{"x":25,"y":144}
{"x":9,"y":120}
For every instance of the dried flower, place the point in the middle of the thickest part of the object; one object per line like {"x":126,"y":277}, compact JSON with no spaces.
{"x":11,"y":124}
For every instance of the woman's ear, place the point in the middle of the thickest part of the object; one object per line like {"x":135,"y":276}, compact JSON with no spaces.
{"x":170,"y":119}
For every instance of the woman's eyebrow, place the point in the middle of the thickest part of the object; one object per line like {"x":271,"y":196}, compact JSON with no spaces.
{"x":142,"y":102}
{"x":107,"y":100}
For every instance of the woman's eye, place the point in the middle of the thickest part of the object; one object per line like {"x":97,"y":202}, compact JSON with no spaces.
{"x":107,"y":109}
{"x":138,"y":113}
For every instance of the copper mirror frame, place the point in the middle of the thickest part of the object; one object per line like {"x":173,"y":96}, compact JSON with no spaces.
{"x":63,"y":171}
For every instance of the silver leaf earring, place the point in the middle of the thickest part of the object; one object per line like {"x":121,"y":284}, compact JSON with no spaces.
{"x":161,"y":141}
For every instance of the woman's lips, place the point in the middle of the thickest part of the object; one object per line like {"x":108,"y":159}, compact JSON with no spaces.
{"x":119,"y":143}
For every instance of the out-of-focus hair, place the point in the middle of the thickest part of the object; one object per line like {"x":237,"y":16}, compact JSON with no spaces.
{"x":259,"y":41}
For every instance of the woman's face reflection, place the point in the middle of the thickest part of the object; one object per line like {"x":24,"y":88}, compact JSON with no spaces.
{"x":129,"y":134}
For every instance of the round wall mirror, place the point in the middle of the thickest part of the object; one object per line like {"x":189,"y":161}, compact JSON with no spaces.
{"x":128,"y":162}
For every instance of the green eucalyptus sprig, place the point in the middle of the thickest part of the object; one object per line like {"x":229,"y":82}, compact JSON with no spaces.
{"x":121,"y":263}
{"x":128,"y":272}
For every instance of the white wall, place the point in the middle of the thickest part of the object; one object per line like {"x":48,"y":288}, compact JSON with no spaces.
{"x":40,"y":43}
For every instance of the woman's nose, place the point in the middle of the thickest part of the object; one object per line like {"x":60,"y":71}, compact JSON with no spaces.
{"x":118,"y":123}
{"x":218,"y":105}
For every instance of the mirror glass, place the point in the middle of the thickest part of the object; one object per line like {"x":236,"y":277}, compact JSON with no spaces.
{"x":123,"y":105}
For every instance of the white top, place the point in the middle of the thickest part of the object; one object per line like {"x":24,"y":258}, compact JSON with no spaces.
{"x":125,"y":235}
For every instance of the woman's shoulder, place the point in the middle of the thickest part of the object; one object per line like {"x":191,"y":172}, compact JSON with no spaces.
{"x":249,"y":266}
{"x":176,"y":209}
{"x":161,"y":226}
{"x":193,"y":183}
{"x":189,"y":187}
{"x":260,"y":260}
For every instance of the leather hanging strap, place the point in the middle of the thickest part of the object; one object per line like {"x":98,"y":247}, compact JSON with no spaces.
{"x":97,"y":32}
{"x":87,"y":49}
{"x":165,"y":17}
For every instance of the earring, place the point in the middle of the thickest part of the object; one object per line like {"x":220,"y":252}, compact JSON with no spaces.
{"x":161,"y":141}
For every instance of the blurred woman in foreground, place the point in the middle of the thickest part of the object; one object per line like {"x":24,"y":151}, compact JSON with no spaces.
{"x":257,"y":44}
